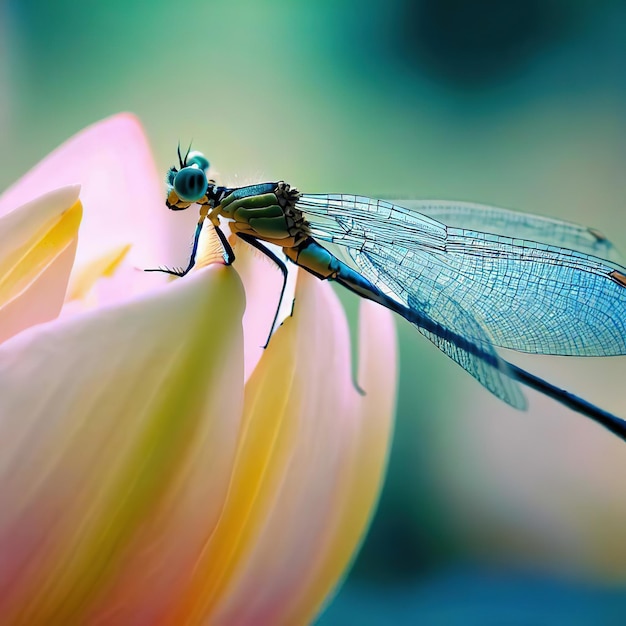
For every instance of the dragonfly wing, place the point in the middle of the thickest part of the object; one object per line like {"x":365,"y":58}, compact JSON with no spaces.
{"x":529,"y":296}
{"x":484,"y":218}
{"x":492,"y":371}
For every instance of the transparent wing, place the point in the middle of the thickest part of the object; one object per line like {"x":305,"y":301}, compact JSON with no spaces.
{"x":489,"y":369}
{"x":488,"y":219}
{"x":527,"y":295}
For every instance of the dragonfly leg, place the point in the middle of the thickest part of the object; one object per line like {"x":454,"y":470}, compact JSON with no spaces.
{"x":281,"y":266}
{"x":192,"y":258}
{"x":229,"y":255}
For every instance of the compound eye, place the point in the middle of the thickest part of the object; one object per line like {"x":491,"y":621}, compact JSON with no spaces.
{"x":198,"y":159}
{"x":190,"y":184}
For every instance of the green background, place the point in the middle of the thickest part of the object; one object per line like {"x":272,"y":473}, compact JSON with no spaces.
{"x":488,"y":515}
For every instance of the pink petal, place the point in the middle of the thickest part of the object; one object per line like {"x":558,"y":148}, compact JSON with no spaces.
{"x":122,"y":193}
{"x":117,"y":436}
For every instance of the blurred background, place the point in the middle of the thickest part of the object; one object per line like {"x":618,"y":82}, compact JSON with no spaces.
{"x":488,"y":515}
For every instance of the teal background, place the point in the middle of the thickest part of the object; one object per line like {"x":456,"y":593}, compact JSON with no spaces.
{"x":488,"y":515}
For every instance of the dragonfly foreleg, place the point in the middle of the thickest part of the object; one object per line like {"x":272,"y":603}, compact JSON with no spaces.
{"x":228,"y":254}
{"x":281,"y":266}
{"x":192,"y":258}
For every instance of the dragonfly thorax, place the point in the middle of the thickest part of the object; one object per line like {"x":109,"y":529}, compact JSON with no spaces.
{"x":268,"y":213}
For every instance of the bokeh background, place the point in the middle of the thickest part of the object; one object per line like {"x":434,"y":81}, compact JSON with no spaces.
{"x":488,"y":515}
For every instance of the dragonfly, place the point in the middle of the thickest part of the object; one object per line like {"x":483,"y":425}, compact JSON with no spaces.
{"x":470,"y":277}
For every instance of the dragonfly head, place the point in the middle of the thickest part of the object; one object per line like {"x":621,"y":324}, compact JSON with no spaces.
{"x":187,"y":184}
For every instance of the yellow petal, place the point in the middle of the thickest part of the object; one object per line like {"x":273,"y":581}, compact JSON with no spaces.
{"x":37,"y":247}
{"x":118,"y":430}
{"x":309,"y":466}
{"x":103,"y":266}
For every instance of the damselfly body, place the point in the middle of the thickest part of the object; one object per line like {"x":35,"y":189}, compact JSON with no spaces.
{"x":469,"y":277}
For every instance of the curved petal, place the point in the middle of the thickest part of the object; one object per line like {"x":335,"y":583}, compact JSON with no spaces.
{"x":101,"y":267}
{"x":37,"y":247}
{"x":308,"y":470}
{"x":122,"y":193}
{"x":113,"y":473}
{"x":368,"y":455}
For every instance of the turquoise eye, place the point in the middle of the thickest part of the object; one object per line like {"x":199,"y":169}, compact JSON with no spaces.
{"x":190,"y":184}
{"x":197,"y":158}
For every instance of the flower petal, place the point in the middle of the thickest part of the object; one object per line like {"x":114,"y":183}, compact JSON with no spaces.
{"x":37,"y":247}
{"x":113,"y":474}
{"x":368,"y":454}
{"x":102,"y":267}
{"x":122,"y":193}
{"x":308,"y":471}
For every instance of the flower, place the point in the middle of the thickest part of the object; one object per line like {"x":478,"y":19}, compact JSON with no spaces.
{"x":144,"y":479}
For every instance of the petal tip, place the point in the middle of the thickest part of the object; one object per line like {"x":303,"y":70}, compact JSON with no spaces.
{"x":66,"y":196}
{"x":121,"y":120}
